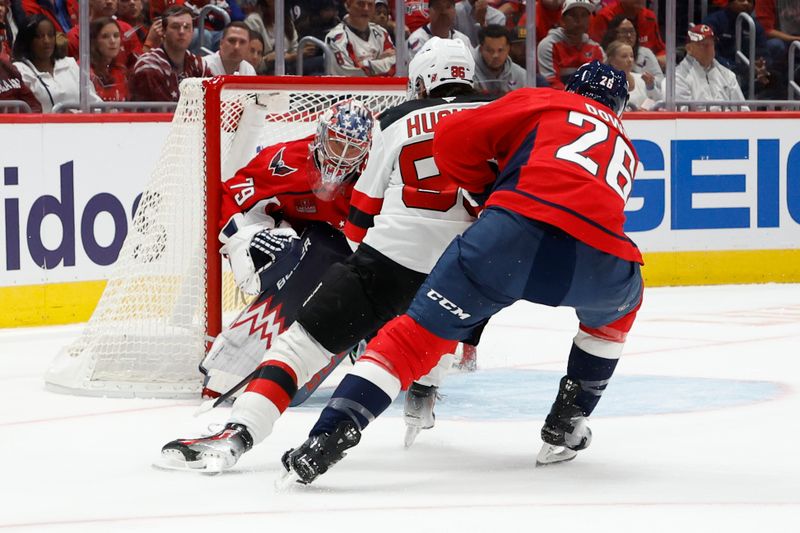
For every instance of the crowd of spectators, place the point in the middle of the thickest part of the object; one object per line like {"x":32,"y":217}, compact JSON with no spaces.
{"x":141,"y":50}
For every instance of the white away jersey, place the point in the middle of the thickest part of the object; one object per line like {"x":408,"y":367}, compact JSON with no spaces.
{"x":401,"y":206}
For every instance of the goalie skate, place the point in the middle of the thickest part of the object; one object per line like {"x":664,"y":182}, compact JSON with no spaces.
{"x":211,"y":454}
{"x":418,"y":411}
{"x":565,"y":431}
{"x":317,"y":454}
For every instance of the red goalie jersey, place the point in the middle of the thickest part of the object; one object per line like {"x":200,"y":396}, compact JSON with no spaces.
{"x":277,"y":181}
{"x":563,"y":159}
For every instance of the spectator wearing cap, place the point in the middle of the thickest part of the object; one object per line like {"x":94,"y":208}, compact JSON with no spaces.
{"x":158,"y":73}
{"x":472,"y":15}
{"x":568,"y":47}
{"x":361,"y":47}
{"x":383,"y":17}
{"x":548,"y":16}
{"x":518,"y":55}
{"x":701,"y":77}
{"x":495,"y":73}
{"x":442,"y":16}
{"x":233,"y":50}
{"x":644,"y":19}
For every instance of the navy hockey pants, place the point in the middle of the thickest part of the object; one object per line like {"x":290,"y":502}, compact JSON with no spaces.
{"x":504,"y":257}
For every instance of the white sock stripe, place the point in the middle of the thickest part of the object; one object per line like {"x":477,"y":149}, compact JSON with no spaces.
{"x":379,"y":376}
{"x":597,"y":346}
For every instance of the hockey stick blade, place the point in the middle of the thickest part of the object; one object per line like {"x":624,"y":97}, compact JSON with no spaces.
{"x":550,"y":454}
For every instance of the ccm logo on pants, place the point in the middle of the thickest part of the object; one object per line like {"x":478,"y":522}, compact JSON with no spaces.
{"x":447,"y":304}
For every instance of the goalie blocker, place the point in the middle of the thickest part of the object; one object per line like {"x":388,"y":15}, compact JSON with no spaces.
{"x":288,"y":281}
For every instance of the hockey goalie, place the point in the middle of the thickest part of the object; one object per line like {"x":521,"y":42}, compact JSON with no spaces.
{"x":282,"y":218}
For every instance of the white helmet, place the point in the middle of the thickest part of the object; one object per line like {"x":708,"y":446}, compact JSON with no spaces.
{"x":440,"y":61}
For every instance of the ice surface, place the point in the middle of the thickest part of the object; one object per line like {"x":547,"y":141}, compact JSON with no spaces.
{"x":697,"y":432}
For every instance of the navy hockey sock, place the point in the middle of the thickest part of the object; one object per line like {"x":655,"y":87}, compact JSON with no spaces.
{"x":355,"y":399}
{"x":593,"y":373}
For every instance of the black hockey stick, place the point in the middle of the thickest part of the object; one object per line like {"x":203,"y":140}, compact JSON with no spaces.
{"x":212,"y":403}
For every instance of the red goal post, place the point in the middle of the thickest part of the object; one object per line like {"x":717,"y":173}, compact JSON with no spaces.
{"x":169,"y":290}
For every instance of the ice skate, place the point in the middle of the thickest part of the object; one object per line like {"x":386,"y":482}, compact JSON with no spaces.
{"x":211,"y":454}
{"x":320,"y":452}
{"x":418,"y":410}
{"x":565,"y":431}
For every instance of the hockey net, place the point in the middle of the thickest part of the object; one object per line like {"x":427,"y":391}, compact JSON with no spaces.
{"x":165,"y":299}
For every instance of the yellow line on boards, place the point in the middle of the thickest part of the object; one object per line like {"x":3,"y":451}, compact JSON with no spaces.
{"x":56,"y":303}
{"x":721,"y":267}
{"x":65,"y":303}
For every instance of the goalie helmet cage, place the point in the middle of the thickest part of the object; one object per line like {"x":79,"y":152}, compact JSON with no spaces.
{"x":164,"y":301}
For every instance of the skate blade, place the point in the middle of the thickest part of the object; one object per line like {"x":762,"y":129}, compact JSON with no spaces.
{"x":173,"y":460}
{"x":411,"y":436}
{"x":287,"y":481}
{"x":550,"y":454}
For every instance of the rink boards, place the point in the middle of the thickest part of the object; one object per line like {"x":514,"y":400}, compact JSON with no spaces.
{"x":717,"y":201}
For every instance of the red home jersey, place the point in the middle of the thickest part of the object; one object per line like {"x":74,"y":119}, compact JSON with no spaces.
{"x":276,"y":180}
{"x":562,"y":159}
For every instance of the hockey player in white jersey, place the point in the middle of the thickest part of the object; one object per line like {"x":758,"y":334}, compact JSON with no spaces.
{"x":402,"y":227}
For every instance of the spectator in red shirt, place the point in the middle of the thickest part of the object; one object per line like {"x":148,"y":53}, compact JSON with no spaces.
{"x":13,"y":88}
{"x":780,"y":19}
{"x":131,"y":45}
{"x":6,"y":36}
{"x":548,"y":16}
{"x":158,"y":73}
{"x":568,"y":47}
{"x":63,"y":15}
{"x":645,"y":20}
{"x":109,"y":77}
{"x":132,"y":13}
{"x":417,"y":14}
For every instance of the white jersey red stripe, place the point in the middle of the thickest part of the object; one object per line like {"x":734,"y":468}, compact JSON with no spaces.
{"x":409,"y":212}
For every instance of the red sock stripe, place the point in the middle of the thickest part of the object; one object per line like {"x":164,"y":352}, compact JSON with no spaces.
{"x":271,"y":391}
{"x":276,"y":381}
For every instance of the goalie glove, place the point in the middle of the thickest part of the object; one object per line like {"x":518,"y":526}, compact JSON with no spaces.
{"x":256,"y":249}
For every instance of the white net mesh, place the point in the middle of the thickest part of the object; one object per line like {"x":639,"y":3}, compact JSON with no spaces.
{"x":148,"y":332}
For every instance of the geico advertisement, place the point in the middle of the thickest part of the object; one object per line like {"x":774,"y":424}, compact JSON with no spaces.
{"x":69,"y":192}
{"x":67,"y":196}
{"x":715,"y":184}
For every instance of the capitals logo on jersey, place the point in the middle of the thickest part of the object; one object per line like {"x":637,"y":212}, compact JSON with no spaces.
{"x":278,"y":166}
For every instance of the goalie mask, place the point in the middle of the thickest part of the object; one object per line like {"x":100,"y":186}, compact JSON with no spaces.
{"x":340,"y":147}
{"x":440,"y":61}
